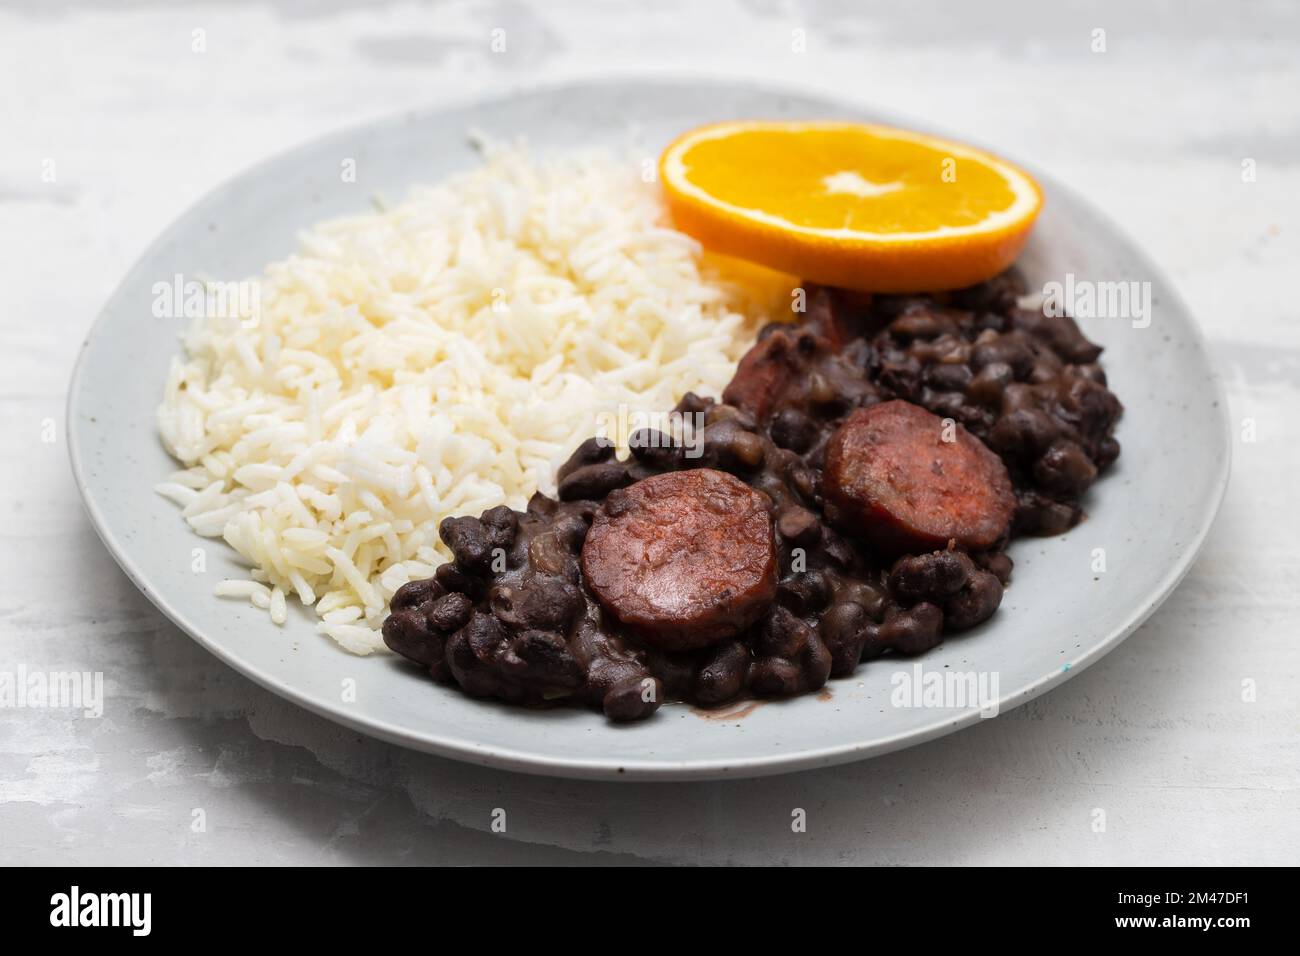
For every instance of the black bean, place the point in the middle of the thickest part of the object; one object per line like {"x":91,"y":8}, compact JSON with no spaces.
{"x":676,"y":672}
{"x":453,"y":578}
{"x":740,"y":417}
{"x":974,"y":603}
{"x":781,"y":634}
{"x":540,"y":506}
{"x":1018,"y":395}
{"x":467,"y":666}
{"x":415,"y":593}
{"x":871,"y":592}
{"x":1107,"y":452}
{"x":902,"y":378}
{"x":460,"y":659}
{"x":504,"y":600}
{"x":484,"y":637}
{"x":998,"y":294}
{"x":1065,"y":469}
{"x":1092,"y":408}
{"x":732,"y":448}
{"x":593,"y":451}
{"x":912,"y":630}
{"x":997,"y":563}
{"x":550,"y":553}
{"x":919,"y":323}
{"x":468,"y":541}
{"x":928,"y":577}
{"x":1091,"y":371}
{"x":873,"y":645}
{"x":976,"y":419}
{"x":1040,"y":515}
{"x":570,"y":530}
{"x":945,"y":350}
{"x":943,"y":404}
{"x":794,"y":430}
{"x":540,"y":601}
{"x":692,"y":404}
{"x":405,"y":633}
{"x":501,"y":525}
{"x":989,"y":383}
{"x":594,"y":481}
{"x":657,"y":449}
{"x":552,"y":602}
{"x":440,"y":671}
{"x":633,"y":700}
{"x":816,"y":662}
{"x":1046,"y":369}
{"x":774,"y":677}
{"x":605,"y":672}
{"x":1006,"y":350}
{"x":722,"y":673}
{"x":541,"y":659}
{"x":947,"y":378}
{"x":1024,"y":434}
{"x":804,"y":592}
{"x":1059,"y":332}
{"x":449,"y":613}
{"x":843,"y":628}
{"x":807,"y":344}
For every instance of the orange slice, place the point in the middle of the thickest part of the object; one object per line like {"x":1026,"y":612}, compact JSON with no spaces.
{"x":848,"y":204}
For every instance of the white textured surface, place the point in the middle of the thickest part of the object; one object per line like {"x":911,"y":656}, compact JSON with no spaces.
{"x":1157,"y":735}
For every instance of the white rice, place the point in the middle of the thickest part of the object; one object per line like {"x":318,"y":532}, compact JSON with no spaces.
{"x":437,"y":359}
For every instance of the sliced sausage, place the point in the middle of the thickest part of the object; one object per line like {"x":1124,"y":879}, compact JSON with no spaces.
{"x":891,"y":477}
{"x":685,"y":559}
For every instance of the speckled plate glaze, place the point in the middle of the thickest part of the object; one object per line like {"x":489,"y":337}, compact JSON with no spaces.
{"x":1150,"y":514}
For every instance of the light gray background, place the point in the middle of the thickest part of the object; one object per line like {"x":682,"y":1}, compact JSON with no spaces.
{"x":1154,"y":130}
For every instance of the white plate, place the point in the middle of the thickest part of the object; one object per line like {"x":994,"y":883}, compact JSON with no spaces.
{"x":1150,"y":514}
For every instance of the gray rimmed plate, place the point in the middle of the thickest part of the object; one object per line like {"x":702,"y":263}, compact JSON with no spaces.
{"x":1149,"y":515}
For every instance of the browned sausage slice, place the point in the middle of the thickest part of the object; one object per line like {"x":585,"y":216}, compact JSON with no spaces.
{"x":892,"y":477}
{"x":685,"y":558}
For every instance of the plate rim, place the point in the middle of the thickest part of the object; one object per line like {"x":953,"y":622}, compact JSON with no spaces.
{"x":632,"y":769}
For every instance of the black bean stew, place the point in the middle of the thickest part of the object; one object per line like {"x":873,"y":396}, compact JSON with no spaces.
{"x":853,"y":496}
